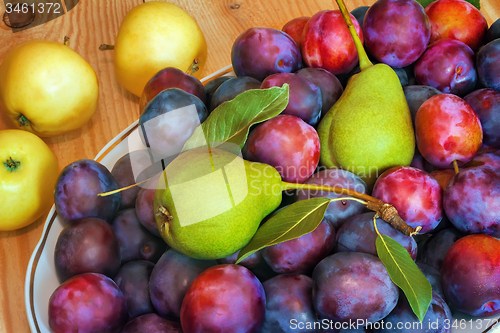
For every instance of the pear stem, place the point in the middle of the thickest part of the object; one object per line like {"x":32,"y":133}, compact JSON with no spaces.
{"x":455,"y":166}
{"x":364,"y":61}
{"x":385,"y":211}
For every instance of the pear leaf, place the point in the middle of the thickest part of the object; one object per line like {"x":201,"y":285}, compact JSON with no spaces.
{"x":230,"y":122}
{"x":425,"y":3}
{"x":291,"y":222}
{"x":405,"y":274}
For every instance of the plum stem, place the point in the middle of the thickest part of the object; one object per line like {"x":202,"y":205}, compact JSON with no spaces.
{"x":105,"y":194}
{"x":364,"y":61}
{"x":106,"y":47}
{"x":455,"y":166}
{"x":385,"y":211}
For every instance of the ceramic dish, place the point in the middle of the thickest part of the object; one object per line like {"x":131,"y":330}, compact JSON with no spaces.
{"x":41,"y":278}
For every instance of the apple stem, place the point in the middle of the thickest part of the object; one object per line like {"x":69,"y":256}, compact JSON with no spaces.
{"x":66,"y":40}
{"x":455,"y":166}
{"x":11,"y":164}
{"x":23,"y":121}
{"x":106,"y":47}
{"x":193,"y":67}
{"x":364,"y":61}
{"x":385,"y":211}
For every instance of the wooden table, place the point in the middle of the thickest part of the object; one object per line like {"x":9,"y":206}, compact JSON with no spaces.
{"x":93,"y":22}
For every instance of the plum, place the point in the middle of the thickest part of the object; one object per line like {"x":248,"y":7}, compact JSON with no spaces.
{"x":231,"y":88}
{"x":88,"y":245}
{"x":447,"y":65}
{"x":396,"y":32}
{"x":434,"y":277}
{"x":88,"y":302}
{"x":402,"y":319}
{"x":212,"y":86}
{"x":490,"y":159}
{"x":133,"y":281}
{"x":151,"y":323}
{"x":416,"y":95}
{"x":231,"y":292}
{"x":443,"y":176}
{"x":420,"y":162}
{"x":305,"y":99}
{"x":171,"y":77}
{"x":171,"y":278}
{"x":358,"y":235}
{"x":493,"y":32}
{"x":329,"y":84}
{"x":168,"y":121}
{"x":470,"y":275}
{"x":334,"y":297}
{"x":295,"y":27}
{"x":132,"y":168}
{"x":487,"y":59}
{"x":136,"y":242}
{"x":437,"y":245}
{"x":76,"y":190}
{"x":327,"y":43}
{"x":359,"y":13}
{"x":255,"y":263}
{"x":288,"y":144}
{"x":144,"y":206}
{"x":486,"y":104}
{"x":414,"y":193}
{"x":340,"y":211}
{"x":288,"y":302}
{"x":259,"y":52}
{"x":472,"y":200}
{"x":301,"y":254}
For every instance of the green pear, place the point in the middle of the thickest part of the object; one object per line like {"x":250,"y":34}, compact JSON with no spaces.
{"x":369,"y":129}
{"x":209,"y":202}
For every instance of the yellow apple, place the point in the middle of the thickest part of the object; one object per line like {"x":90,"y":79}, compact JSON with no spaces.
{"x":28,"y":174}
{"x":47,"y":88}
{"x":155,"y":35}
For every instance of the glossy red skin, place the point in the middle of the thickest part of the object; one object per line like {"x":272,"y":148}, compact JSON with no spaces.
{"x":414,"y":193}
{"x":171,"y":77}
{"x":470,"y":275}
{"x":305,"y":99}
{"x":87,"y":246}
{"x":224,"y":298}
{"x":457,"y":19}
{"x":394,"y":38}
{"x":443,"y":176}
{"x":295,"y":27}
{"x":327,"y":43}
{"x":300,"y":255}
{"x":472,"y":200}
{"x":87,"y":303}
{"x":288,"y":144}
{"x":449,"y":66}
{"x":447,"y":129}
{"x":486,"y":104}
{"x":151,"y":323}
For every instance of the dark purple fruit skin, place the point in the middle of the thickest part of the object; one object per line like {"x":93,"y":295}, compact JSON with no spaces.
{"x":486,"y":104}
{"x":288,"y":301}
{"x":87,"y":246}
{"x":76,"y":190}
{"x":447,"y":65}
{"x":487,"y":59}
{"x":255,"y":263}
{"x":328,"y":83}
{"x":359,"y":13}
{"x":151,"y":323}
{"x":437,"y":245}
{"x":144,"y":206}
{"x":470,"y":275}
{"x":335,"y":298}
{"x":358,"y":235}
{"x":338,"y":211}
{"x":490,"y":159}
{"x":133,"y":281}
{"x":232,"y":88}
{"x":300,"y":255}
{"x":130,"y":169}
{"x":171,"y":278}
{"x":212,"y":86}
{"x":231,"y":292}
{"x":394,"y":38}
{"x":472,"y":200}
{"x":305,"y":99}
{"x":493,"y":32}
{"x":136,"y":242}
{"x":416,"y":95}
{"x":434,"y":277}
{"x":88,"y":302}
{"x":259,"y":52}
{"x":437,"y":319}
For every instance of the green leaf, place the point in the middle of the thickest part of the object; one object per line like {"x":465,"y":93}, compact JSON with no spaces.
{"x":425,"y":3}
{"x":293,"y":221}
{"x":231,"y":121}
{"x":405,"y":274}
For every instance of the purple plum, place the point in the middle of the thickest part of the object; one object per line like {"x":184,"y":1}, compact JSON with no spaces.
{"x":144,"y":207}
{"x":231,"y":88}
{"x":487,"y":59}
{"x":486,"y":104}
{"x":437,"y":245}
{"x":151,"y":323}
{"x":416,"y":95}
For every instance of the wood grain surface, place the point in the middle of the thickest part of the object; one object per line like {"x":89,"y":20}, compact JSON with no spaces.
{"x":93,"y":22}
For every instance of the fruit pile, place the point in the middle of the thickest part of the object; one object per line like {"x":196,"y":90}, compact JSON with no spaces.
{"x":252,"y":208}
